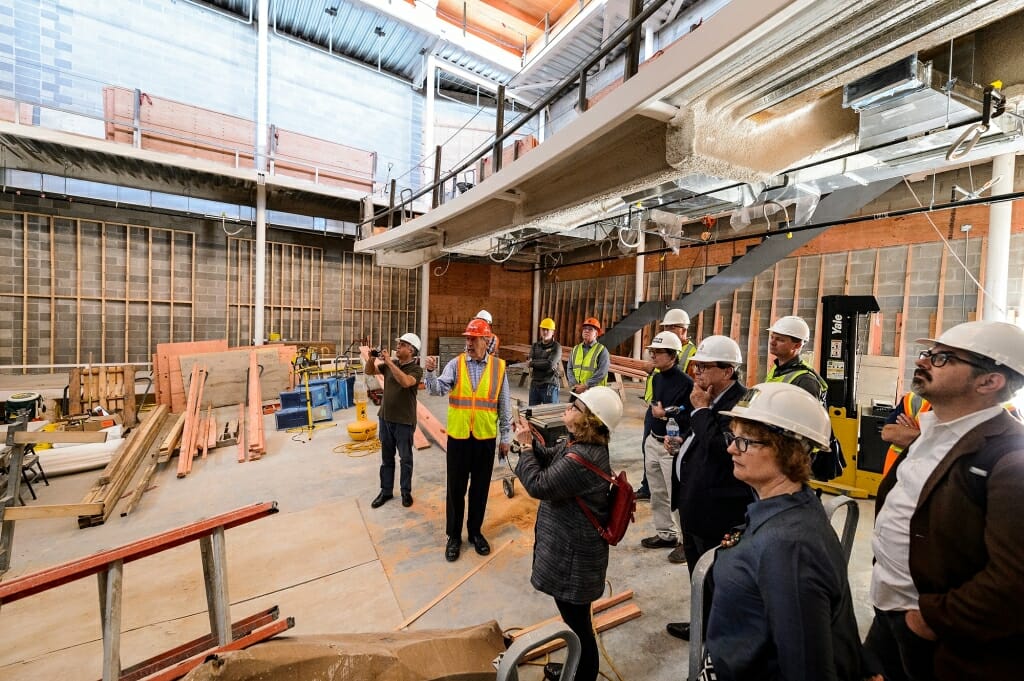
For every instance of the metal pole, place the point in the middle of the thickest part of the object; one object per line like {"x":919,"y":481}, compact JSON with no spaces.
{"x":424,"y":306}
{"x":638,"y":291}
{"x":429,"y":123}
{"x":499,"y":126}
{"x":997,"y":263}
{"x":633,"y":47}
{"x":262,"y":116}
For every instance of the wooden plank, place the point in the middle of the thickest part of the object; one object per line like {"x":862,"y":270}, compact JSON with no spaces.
{"x":603,"y":622}
{"x":419,"y":440}
{"x":51,"y":511}
{"x":140,"y":489}
{"x":225,"y":383}
{"x":61,"y":436}
{"x":243,"y":452}
{"x":441,"y":596}
{"x":901,"y":322}
{"x":171,"y":368}
{"x":598,"y":606}
{"x":173,"y":438}
{"x":434,"y":429}
{"x":939,"y":321}
{"x":875,"y":318}
{"x":817,"y":308}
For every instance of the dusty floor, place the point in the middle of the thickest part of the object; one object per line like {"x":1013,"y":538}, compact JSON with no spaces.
{"x":331,"y":561}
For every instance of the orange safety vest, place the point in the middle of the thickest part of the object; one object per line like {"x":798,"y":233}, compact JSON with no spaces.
{"x":475,"y":412}
{"x":913,"y":406}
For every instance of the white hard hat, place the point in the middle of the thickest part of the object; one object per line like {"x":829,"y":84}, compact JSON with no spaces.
{"x":1001,"y":342}
{"x":676,"y":316}
{"x":666,"y":340}
{"x":791,"y":326}
{"x":603,"y":403}
{"x":718,"y":349}
{"x":485,"y":315}
{"x":412,"y":339}
{"x":788,"y":408}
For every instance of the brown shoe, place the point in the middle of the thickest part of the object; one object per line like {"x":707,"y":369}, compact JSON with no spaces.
{"x":678,"y":556}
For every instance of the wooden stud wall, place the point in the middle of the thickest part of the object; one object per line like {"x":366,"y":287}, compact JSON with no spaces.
{"x":79,"y":300}
{"x":378,"y":304}
{"x":294,"y":291}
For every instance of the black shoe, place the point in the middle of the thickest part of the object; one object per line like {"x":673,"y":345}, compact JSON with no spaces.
{"x":677,"y":556}
{"x":381,"y":500}
{"x":657,"y":542}
{"x":679,"y":630}
{"x":406,"y":499}
{"x":452,"y":550}
{"x":553,"y":671}
{"x":643,"y":494}
{"x":481,"y":545}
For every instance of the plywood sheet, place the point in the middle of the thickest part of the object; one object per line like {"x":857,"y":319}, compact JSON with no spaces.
{"x":227,"y":370}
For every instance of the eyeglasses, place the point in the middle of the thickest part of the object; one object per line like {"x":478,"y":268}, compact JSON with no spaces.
{"x":700,"y":367}
{"x":742,"y":443}
{"x":940,"y":358}
{"x":575,"y":405}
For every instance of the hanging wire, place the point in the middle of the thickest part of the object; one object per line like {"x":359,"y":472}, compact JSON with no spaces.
{"x":945,"y":242}
{"x":438,"y":272}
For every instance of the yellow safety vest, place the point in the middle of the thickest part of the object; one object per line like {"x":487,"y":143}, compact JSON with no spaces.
{"x":793,"y":375}
{"x":585,"y":365}
{"x":685,"y":354}
{"x":475,"y":412}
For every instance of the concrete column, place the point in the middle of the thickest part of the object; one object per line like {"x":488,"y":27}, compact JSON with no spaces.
{"x":542,"y":124}
{"x":997,"y":265}
{"x":638,"y":293}
{"x":648,"y":41}
{"x":262,"y":116}
{"x":428,"y":121}
{"x":424,"y":304}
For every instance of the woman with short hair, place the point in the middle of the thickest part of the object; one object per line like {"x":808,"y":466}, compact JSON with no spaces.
{"x":570,"y":558}
{"x":781,"y":607}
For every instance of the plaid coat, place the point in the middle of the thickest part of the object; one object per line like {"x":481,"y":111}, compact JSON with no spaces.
{"x":569,"y":556}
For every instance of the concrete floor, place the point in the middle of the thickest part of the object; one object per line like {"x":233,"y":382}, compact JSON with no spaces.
{"x":332,"y":562}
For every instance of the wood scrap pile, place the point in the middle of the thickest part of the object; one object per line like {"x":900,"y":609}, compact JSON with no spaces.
{"x":606,"y":615}
{"x":122,"y":468}
{"x":110,"y":387}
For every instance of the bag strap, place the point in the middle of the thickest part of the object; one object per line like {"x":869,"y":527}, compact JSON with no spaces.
{"x":586,"y":509}
{"x":587,"y":464}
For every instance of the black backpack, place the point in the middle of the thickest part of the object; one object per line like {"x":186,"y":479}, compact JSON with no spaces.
{"x":828,"y":464}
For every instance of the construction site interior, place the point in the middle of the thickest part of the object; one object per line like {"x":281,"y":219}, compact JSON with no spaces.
{"x":213,"y":210}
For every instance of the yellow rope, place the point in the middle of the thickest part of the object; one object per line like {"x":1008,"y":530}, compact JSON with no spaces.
{"x":349,"y":448}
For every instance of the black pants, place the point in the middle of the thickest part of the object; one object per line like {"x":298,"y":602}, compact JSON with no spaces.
{"x":578,"y":618}
{"x":904,"y":655}
{"x":395,"y":437}
{"x":695,"y":546}
{"x":470,"y":463}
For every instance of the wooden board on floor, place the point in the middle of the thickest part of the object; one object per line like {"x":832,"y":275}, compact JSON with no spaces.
{"x":431,"y":426}
{"x":225,"y":382}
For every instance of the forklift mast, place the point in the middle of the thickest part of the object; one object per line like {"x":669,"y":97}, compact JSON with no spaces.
{"x":838,"y":361}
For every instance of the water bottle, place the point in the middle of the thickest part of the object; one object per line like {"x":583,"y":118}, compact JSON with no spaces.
{"x":672,"y":434}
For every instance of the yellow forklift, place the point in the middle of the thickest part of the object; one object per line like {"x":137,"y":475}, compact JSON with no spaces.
{"x":837,"y":364}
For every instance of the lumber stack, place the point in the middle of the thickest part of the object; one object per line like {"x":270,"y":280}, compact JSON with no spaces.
{"x":190,"y":436}
{"x":607,"y":613}
{"x":170,"y":384}
{"x":119,"y":472}
{"x":254,"y":419}
{"x":109,"y":387}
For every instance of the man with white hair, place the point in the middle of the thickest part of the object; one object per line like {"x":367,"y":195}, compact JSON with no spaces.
{"x":948,"y":579}
{"x":492,"y":344}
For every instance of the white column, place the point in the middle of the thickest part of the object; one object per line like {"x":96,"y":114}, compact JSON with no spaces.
{"x":542,"y":124}
{"x":638,"y":292}
{"x":424,"y":304}
{"x":262,"y":115}
{"x":997,"y":265}
{"x":429,"y":123}
{"x":648,"y":41}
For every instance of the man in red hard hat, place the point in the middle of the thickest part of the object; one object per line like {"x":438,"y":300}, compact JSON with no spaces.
{"x":588,"y":361}
{"x":479,"y":412}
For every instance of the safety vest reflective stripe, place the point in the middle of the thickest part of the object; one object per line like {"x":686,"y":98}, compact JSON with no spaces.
{"x":913,"y":406}
{"x":792,"y":376}
{"x":584,"y":366}
{"x":474,"y":412}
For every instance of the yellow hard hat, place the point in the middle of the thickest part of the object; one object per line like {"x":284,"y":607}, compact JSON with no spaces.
{"x":547,"y":323}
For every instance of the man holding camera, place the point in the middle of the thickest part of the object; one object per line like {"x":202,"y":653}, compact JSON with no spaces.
{"x":397,"y":414}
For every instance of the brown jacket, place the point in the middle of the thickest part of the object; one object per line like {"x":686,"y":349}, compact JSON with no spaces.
{"x":967,"y":560}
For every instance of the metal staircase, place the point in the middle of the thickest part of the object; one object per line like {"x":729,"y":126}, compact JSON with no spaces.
{"x":836,"y":206}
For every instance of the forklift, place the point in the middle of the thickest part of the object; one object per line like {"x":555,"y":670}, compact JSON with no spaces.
{"x":837,"y":365}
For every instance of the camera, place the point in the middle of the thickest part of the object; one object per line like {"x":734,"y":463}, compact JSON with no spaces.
{"x":375,"y":352}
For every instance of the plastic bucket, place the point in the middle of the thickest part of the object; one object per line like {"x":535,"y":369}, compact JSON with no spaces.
{"x":22,"y":403}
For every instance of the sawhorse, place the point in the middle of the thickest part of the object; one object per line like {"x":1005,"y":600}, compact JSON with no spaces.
{"x":108,"y":566}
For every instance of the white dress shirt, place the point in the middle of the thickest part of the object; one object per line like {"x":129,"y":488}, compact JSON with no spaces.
{"x":892,"y":587}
